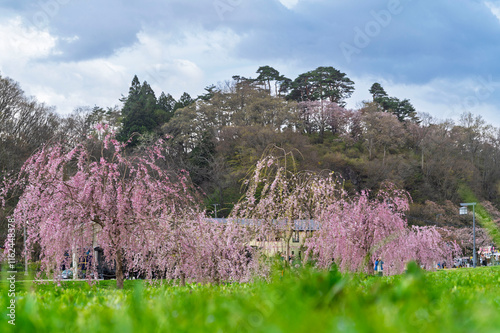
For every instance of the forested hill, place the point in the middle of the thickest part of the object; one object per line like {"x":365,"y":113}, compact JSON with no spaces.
{"x":219,"y":135}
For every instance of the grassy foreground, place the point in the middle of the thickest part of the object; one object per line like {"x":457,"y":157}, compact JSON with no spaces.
{"x":464,"y":300}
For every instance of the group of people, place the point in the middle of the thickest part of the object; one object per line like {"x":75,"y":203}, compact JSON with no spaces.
{"x":379,"y":267}
{"x":441,"y":265}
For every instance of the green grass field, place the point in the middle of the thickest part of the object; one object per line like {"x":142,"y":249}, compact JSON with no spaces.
{"x":462,"y":300}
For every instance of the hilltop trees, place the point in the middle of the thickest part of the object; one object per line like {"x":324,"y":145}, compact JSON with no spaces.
{"x":184,"y":101}
{"x":320,"y":116}
{"x":383,"y":132}
{"x":377,"y":91}
{"x":268,"y":74}
{"x":382,"y":138}
{"x":323,"y":83}
{"x":166,"y":108}
{"x":143,"y":113}
{"x":402,"y":109}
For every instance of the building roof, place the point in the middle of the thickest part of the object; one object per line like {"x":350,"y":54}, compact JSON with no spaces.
{"x":299,"y":225}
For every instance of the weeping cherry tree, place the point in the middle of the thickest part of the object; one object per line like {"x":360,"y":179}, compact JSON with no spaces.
{"x":73,"y":200}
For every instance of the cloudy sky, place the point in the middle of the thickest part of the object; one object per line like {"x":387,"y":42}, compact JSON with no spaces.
{"x":441,"y":54}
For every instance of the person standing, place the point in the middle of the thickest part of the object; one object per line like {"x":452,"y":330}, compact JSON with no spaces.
{"x":380,"y":267}
{"x":375,"y":268}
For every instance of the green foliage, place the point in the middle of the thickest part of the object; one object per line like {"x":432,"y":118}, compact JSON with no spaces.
{"x":184,"y":101}
{"x":403,"y":109}
{"x":296,"y":300}
{"x":377,"y":91}
{"x":143,"y":113}
{"x":218,"y":137}
{"x":321,"y":84}
{"x":165,"y":108}
{"x":268,"y":74}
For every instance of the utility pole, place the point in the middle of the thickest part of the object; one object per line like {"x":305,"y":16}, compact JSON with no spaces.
{"x":215,"y":205}
{"x":463,"y":211}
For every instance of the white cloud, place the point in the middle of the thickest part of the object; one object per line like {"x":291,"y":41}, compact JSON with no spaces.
{"x":174,"y":63}
{"x":494,"y":7}
{"x":169,"y":63}
{"x":187,"y":47}
{"x":443,"y":98}
{"x":20,"y":44}
{"x":289,"y":3}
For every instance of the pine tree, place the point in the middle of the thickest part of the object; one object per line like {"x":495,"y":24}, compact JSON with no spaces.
{"x":377,"y":91}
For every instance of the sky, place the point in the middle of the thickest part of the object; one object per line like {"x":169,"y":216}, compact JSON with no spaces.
{"x":443,"y":55}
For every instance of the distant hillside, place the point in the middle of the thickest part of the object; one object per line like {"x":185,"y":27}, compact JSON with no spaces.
{"x":219,"y":135}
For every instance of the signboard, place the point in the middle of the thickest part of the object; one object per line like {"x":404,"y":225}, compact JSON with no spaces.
{"x":463,"y":210}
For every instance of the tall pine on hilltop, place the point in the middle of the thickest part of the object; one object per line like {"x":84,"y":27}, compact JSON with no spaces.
{"x":402,"y":109}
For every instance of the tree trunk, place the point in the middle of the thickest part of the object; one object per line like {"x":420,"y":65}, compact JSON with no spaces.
{"x":119,"y":270}
{"x":75,"y":265}
{"x":288,"y":236}
{"x":288,"y":253}
{"x":383,"y":160}
{"x":370,"y":144}
{"x":183,"y":279}
{"x":422,"y":160}
{"x":369,"y":265}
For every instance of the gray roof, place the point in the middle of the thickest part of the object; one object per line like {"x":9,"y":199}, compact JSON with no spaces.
{"x":300,"y":225}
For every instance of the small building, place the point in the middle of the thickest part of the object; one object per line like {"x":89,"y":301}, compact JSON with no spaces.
{"x":289,"y":238}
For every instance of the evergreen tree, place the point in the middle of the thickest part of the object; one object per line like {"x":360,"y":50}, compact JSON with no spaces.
{"x":377,"y":91}
{"x":323,"y":83}
{"x":165,"y":108}
{"x":139,"y":111}
{"x":147,"y":96}
{"x":210,"y":92}
{"x":404,"y":110}
{"x":184,"y":101}
{"x":131,"y":102}
{"x":266,"y":75}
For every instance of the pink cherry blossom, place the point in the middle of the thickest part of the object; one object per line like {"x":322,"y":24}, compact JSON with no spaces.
{"x":354,"y":229}
{"x":146,"y":218}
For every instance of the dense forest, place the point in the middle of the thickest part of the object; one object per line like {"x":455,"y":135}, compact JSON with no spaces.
{"x":219,"y":135}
